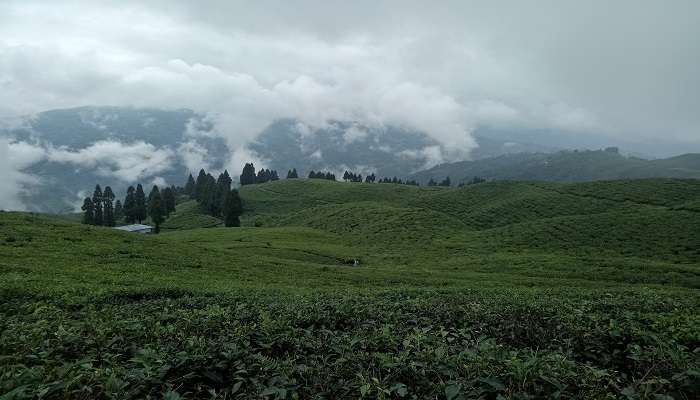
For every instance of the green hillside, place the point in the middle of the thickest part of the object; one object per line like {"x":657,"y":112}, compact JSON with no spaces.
{"x":507,"y":290}
{"x":565,"y":166}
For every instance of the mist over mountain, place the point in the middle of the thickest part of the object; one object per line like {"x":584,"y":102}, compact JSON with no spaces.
{"x":62,"y":153}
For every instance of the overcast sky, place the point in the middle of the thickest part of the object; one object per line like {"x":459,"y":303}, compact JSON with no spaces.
{"x":623,"y":68}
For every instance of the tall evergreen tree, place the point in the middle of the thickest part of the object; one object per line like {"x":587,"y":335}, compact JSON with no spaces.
{"x":88,"y":211}
{"x":248,"y":176}
{"x":200,"y":184}
{"x":233,"y":208}
{"x":292,"y":174}
{"x":130,"y":205}
{"x":168,"y":196}
{"x":446,"y":182}
{"x":155,"y":208}
{"x":118,"y":212}
{"x":108,"y":207}
{"x":190,"y":186}
{"x":140,"y":209}
{"x":97,"y":205}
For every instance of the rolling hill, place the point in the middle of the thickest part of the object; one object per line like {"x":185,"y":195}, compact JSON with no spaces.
{"x":524,"y":289}
{"x":565,"y":166}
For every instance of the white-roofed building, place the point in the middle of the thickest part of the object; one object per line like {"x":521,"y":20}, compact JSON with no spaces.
{"x":138,"y":228}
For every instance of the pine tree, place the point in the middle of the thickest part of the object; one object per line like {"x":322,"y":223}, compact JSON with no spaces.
{"x":118,"y":212}
{"x":431,"y":182}
{"x":292,"y":174}
{"x":140,"y":209}
{"x":233,"y":208}
{"x":200,"y":184}
{"x":247,"y":175}
{"x":190,"y":186}
{"x":446,"y":182}
{"x":97,"y":206}
{"x":312,"y":174}
{"x":156,"y":210}
{"x":130,"y":205}
{"x":168,"y":196}
{"x":108,"y":207}
{"x":88,"y":211}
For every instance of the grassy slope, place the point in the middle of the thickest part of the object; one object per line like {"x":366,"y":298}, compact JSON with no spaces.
{"x":566,"y":166}
{"x":529,"y":286}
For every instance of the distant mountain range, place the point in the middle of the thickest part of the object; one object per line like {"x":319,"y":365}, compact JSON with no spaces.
{"x":119,"y":146}
{"x":565,"y":166}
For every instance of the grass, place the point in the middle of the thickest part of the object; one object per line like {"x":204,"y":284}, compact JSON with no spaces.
{"x":510,"y":289}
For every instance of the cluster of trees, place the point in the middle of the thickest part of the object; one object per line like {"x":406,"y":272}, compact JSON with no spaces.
{"x":321,"y":175}
{"x":249,"y":177}
{"x":100,"y":208}
{"x":475,"y":180}
{"x":398,"y":181}
{"x":215,"y":196}
{"x":444,"y":182}
{"x":352,"y":177}
{"x":371,"y":178}
{"x":292,"y":174}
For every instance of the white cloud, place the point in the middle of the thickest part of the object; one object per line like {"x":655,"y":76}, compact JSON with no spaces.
{"x":194,"y":156}
{"x":127,"y":162}
{"x":354,"y":134}
{"x":14,"y":157}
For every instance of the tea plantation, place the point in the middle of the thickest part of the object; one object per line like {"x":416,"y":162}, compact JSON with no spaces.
{"x":501,"y":290}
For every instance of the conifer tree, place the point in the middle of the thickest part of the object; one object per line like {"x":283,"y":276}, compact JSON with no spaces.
{"x":97,"y":205}
{"x":88,"y":211}
{"x":156,"y":210}
{"x":118,"y":211}
{"x":130,"y":205}
{"x":233,"y":208}
{"x":168,"y":196}
{"x":431,"y":182}
{"x":190,"y":186}
{"x":140,"y":209}
{"x":247,"y":175}
{"x":200,"y":184}
{"x":446,"y":182}
{"x":108,"y":207}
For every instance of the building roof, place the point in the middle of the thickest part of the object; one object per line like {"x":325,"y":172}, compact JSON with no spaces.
{"x":134,"y":227}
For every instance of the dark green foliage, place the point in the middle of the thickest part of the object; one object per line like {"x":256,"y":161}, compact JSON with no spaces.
{"x":118,"y":211}
{"x":292,"y":174}
{"x":130,"y":211}
{"x":156,"y":208}
{"x":88,"y":212}
{"x":352,"y":177}
{"x":190,"y":186}
{"x":233,"y":209}
{"x":168,"y":197}
{"x":140,"y":206}
{"x":266,"y":175}
{"x":108,"y":207}
{"x":200,"y":185}
{"x":431,"y":182}
{"x":446,"y":182}
{"x":98,"y":216}
{"x":248,"y":176}
{"x":321,"y":175}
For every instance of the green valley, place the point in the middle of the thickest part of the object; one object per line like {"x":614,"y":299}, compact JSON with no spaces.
{"x":497,"y":290}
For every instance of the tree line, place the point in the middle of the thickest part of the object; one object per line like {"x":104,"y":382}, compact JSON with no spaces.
{"x":215,"y":196}
{"x":249,"y":177}
{"x":100,"y":209}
